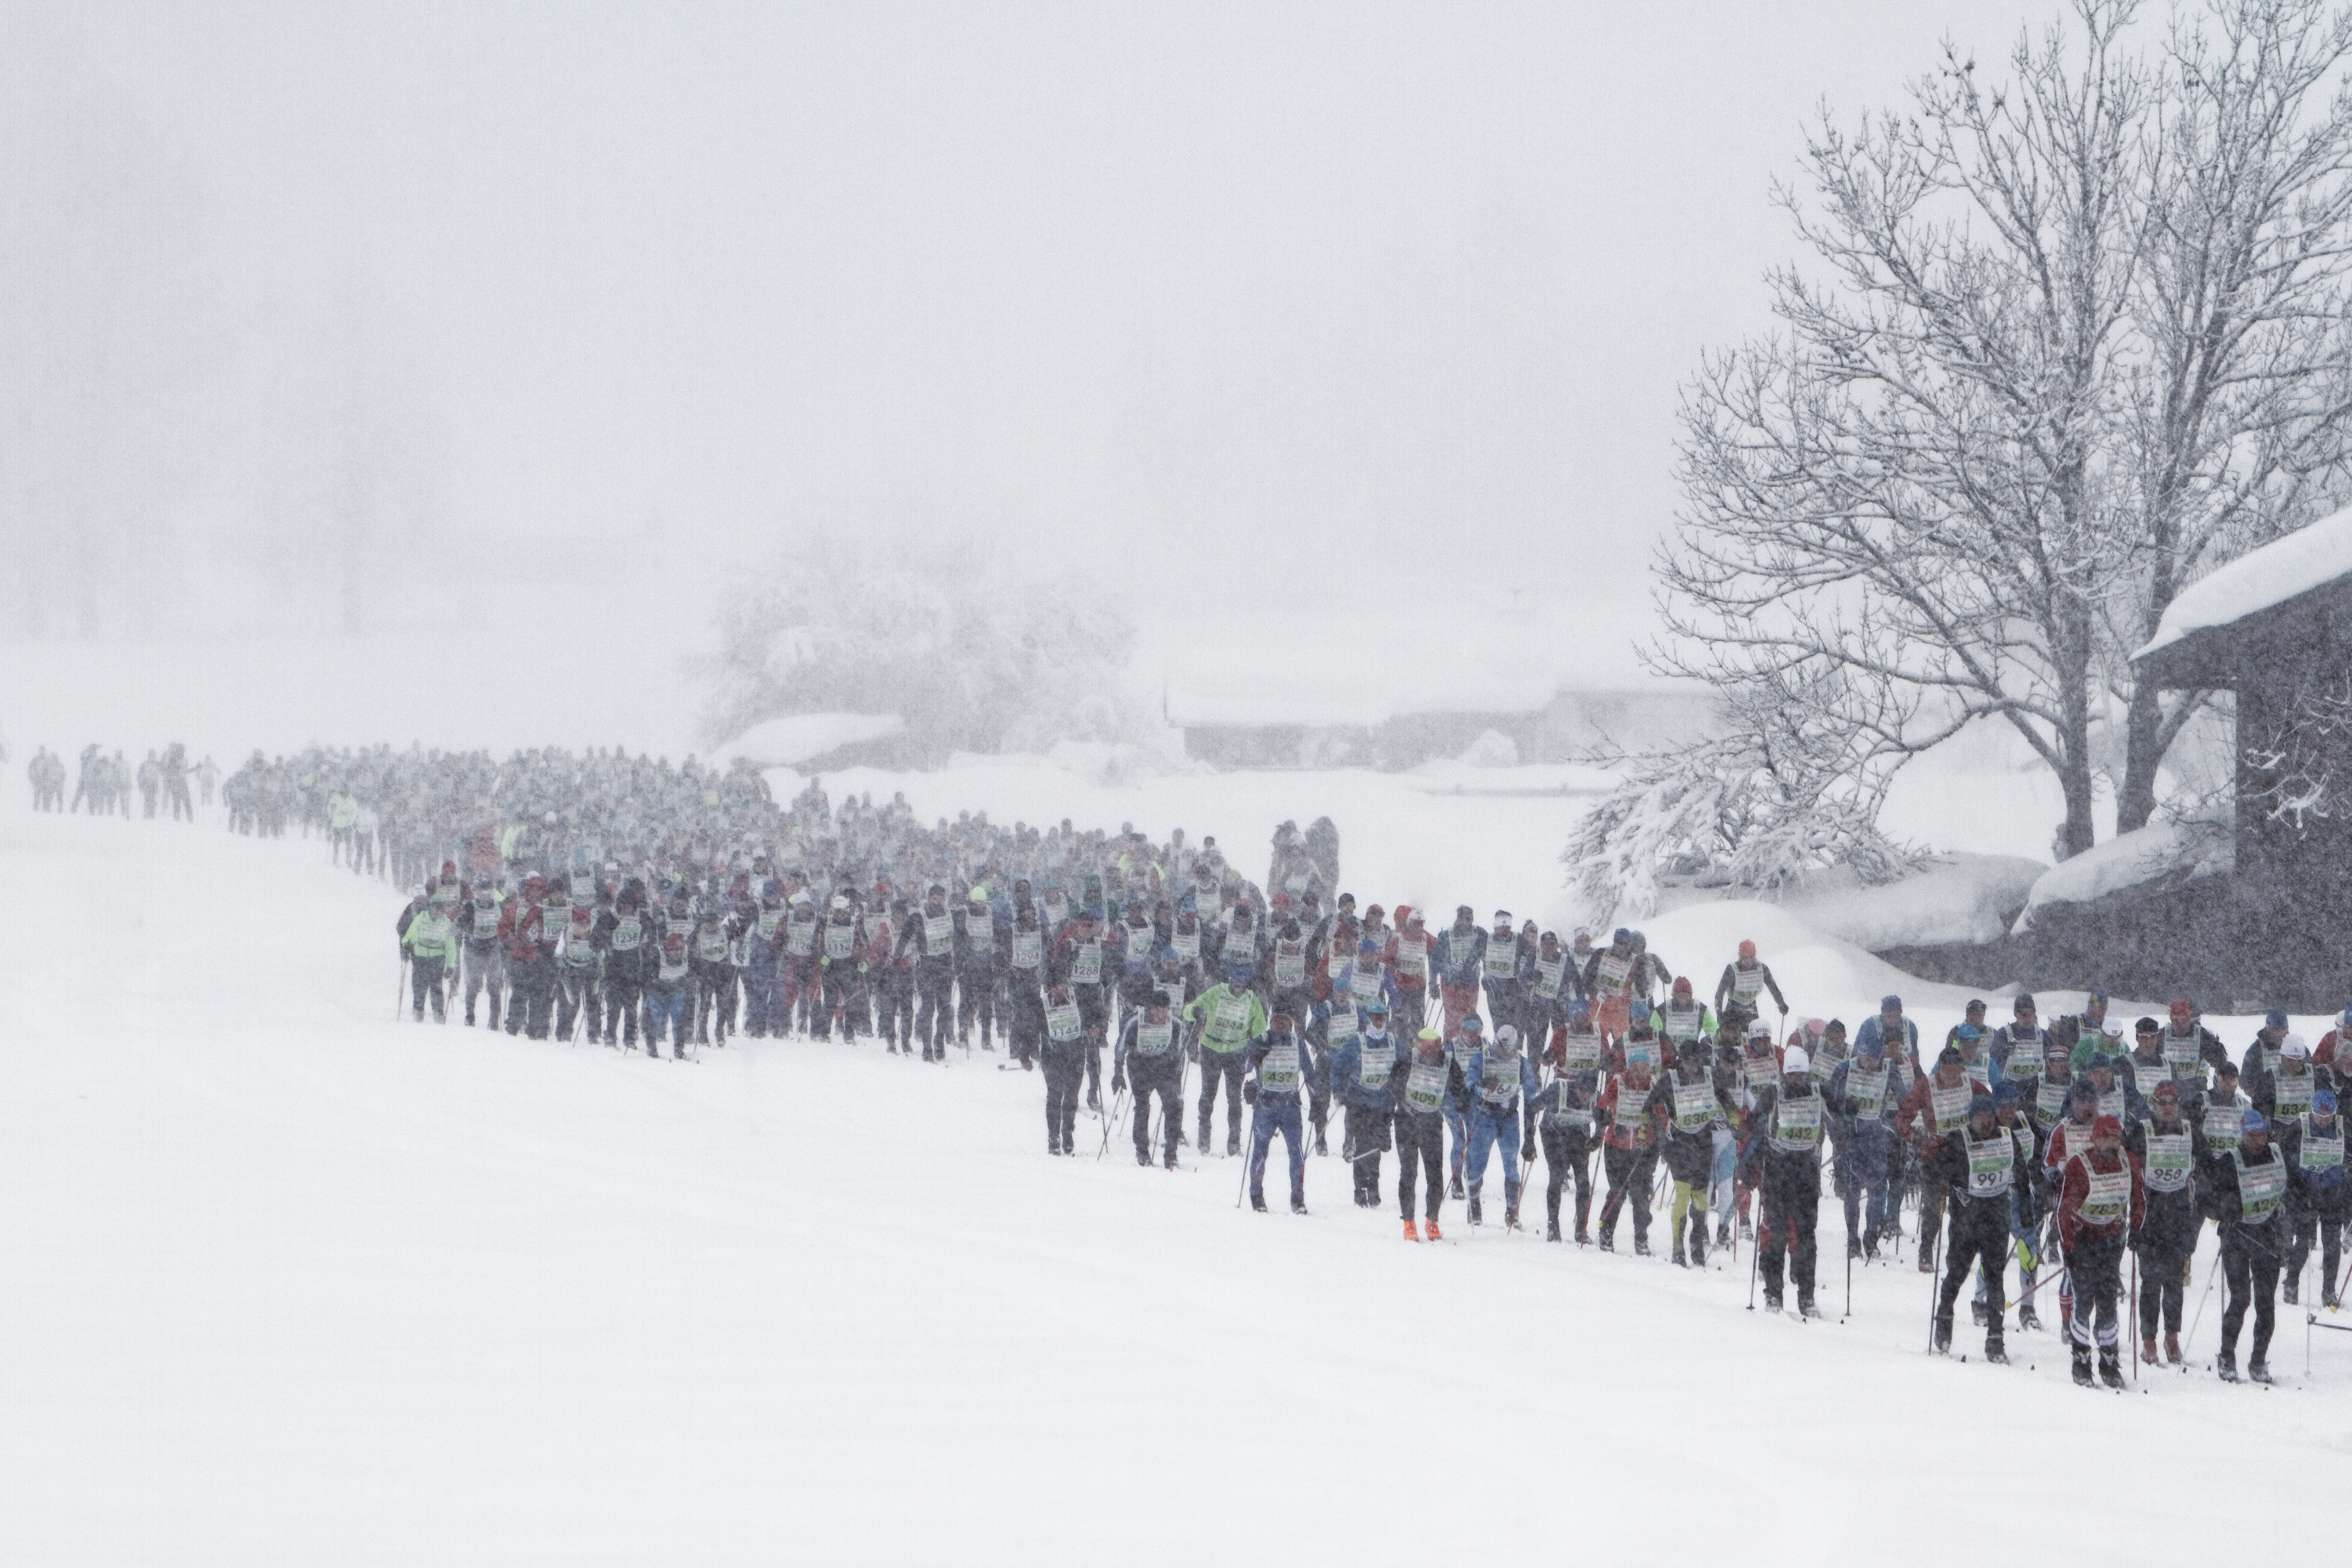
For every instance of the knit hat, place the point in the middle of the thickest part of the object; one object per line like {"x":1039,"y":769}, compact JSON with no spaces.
{"x":2274,"y":1019}
{"x":2106,"y":1126}
{"x":1794,"y":1060}
{"x":1980,"y":1105}
{"x":2324,"y":1100}
{"x":2253,"y":1121}
{"x":2294,"y":1048}
{"x":2182,"y":1012}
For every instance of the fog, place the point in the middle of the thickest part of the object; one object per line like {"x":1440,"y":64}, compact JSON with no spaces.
{"x":345,"y":317}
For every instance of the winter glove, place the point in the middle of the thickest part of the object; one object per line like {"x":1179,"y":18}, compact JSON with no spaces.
{"x":1118,"y":1079}
{"x":1249,"y":1093}
{"x":1528,"y":1152}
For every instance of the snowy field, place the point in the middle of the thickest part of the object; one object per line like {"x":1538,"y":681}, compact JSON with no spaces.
{"x":289,"y":1282}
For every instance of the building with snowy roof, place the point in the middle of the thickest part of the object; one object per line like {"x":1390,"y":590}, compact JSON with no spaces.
{"x":2275,"y":628}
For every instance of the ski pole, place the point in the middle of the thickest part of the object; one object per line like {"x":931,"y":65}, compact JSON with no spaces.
{"x":1849,"y":1284}
{"x":1935,"y":1279}
{"x":400,"y":994}
{"x":1751,"y":1271}
{"x":2202,"y":1300}
{"x":1117,"y":1099}
{"x":2134,"y":1302}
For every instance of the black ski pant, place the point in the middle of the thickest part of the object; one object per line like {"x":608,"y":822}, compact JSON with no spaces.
{"x":800,"y":1002}
{"x":714,"y":1004}
{"x":935,"y":1012}
{"x":533,"y":995}
{"x":1228,"y":1069}
{"x":1421,"y":1145}
{"x":1094,"y":1012}
{"x":1064,"y":1072}
{"x":1024,"y":1029}
{"x":2250,"y":1269}
{"x":1979,"y":1234}
{"x":2094,"y":1272}
{"x":2324,"y":1226}
{"x":894,"y":1008}
{"x":1165,"y":1080}
{"x":1411,"y":1013}
{"x":621,"y":997}
{"x":841,"y":995}
{"x":425,"y":978}
{"x":2163,"y":1282}
{"x":1792,"y":1208}
{"x":976,"y":1002}
{"x":1629,"y":1175}
{"x":1568,"y":1156}
{"x":484,"y":966}
{"x":1319,"y":1092}
{"x":1363,"y":1142}
{"x":578,"y":993}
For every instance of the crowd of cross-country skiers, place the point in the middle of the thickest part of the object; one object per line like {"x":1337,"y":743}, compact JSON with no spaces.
{"x":104,"y":785}
{"x":599,"y":896}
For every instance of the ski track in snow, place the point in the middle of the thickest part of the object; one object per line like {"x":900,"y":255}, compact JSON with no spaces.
{"x":289,"y":1282}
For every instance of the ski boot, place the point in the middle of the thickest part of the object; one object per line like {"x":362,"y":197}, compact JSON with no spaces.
{"x":1995,"y":1351}
{"x":1641,"y":1246}
{"x":1747,"y":1228}
{"x":1143,"y":1158}
{"x":1723,"y":1234}
{"x":1943,"y":1340}
{"x":1429,"y":1228}
{"x":1298,"y":1206}
{"x":1771,"y":1301}
{"x":1477,"y":1214}
{"x":2148,"y":1350}
{"x":1257,"y":1202}
{"x":1551,"y":1230}
{"x":1457,"y":1192}
{"x":1232,"y":1145}
{"x":1411,"y":1233}
{"x":1698,"y":1248}
{"x":2290,"y":1290}
{"x":1926,"y":1264}
{"x":2111,"y":1366}
{"x":1607,"y":1241}
{"x":1852,"y":1246}
{"x":2225,"y":1366}
{"x":1584,"y":1238}
{"x":2328,"y":1297}
{"x":1511,"y":1217}
{"x":2172,"y":1348}
{"x":2026,"y":1318}
{"x":1320,"y":1149}
{"x":2258,"y":1370}
{"x":1977,"y":1313}
{"x":1172,"y":1162}
{"x":1805,"y":1308}
{"x":2081,"y":1357}
{"x":1870,"y":1250}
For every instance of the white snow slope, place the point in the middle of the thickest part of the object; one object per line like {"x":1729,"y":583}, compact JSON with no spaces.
{"x":283,"y":1281}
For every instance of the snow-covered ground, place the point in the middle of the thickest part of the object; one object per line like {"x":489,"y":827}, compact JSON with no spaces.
{"x":286,"y":1281}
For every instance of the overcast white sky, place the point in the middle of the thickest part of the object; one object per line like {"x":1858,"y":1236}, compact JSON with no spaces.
{"x":1175,"y":288}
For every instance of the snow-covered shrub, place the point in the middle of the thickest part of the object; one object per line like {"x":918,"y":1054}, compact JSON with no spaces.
{"x":972,"y":655}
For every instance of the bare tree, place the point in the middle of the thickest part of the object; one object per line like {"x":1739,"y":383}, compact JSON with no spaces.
{"x":2057,"y":346}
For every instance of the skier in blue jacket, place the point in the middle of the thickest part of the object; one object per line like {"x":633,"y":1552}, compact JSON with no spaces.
{"x":1494,"y":1079}
{"x":1276,"y":1065}
{"x":1361,"y":1073}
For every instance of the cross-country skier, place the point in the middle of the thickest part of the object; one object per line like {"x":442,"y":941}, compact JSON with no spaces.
{"x":1459,"y":956}
{"x":1230,"y":1016}
{"x":1494,"y":1079}
{"x":1360,"y":1071}
{"x":2171,"y":1152}
{"x":1560,"y":1117}
{"x":1423,"y":1089}
{"x":1786,"y":1154}
{"x":2250,"y":1182}
{"x":1277,"y":1068}
{"x":1696,"y":1102}
{"x":2102,"y":1200}
{"x":2318,"y":1202}
{"x":981,"y":942}
{"x":1628,"y":1153}
{"x":429,"y":937}
{"x":482,"y":962}
{"x":1981,"y":1165}
{"x":1149,"y":1061}
{"x":1746,"y":978}
{"x":1064,"y":1062}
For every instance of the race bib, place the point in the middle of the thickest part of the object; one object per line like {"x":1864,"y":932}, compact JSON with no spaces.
{"x":1278,"y":1073}
{"x":2259,"y":1187}
{"x":1797,"y":1124}
{"x":1085,"y":963}
{"x":769,"y":920}
{"x":1413,"y":957}
{"x":1949,"y":1106}
{"x":980,"y":931}
{"x":628,"y":934}
{"x":800,"y":938}
{"x":1154,"y":1039}
{"x":1758,"y":1071}
{"x":2292,"y":1093}
{"x":1694,"y":1105}
{"x":1062,"y":1021}
{"x":1502,"y":957}
{"x":939,"y":936}
{"x":1579,"y":1053}
{"x":1614,"y":972}
{"x":1187,"y":944}
{"x":1290,"y":967}
{"x":2110,"y":1196}
{"x":1746,"y":985}
{"x":840,"y":943}
{"x":712,"y":947}
{"x":2168,"y":1168}
{"x":1866,"y":1091}
{"x":2147,"y":1076}
{"x":2224,"y":1125}
{"x":1548,"y":973}
{"x":1364,"y":983}
{"x":1992,"y":1164}
{"x":1028,"y":948}
{"x":1425,"y":1087}
{"x":2322,"y":1153}
{"x":1377,"y":1063}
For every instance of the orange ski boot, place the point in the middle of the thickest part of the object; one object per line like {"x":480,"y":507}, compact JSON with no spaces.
{"x":1411,"y":1233}
{"x":1435,"y":1234}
